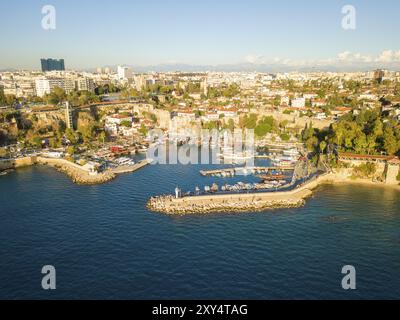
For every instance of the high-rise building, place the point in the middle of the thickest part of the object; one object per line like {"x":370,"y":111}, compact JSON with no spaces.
{"x":204,"y":86}
{"x":379,"y":75}
{"x":52,"y":65}
{"x":124,"y":73}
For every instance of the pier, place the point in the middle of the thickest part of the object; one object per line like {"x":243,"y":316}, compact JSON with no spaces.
{"x":240,"y":170}
{"x":232,"y":203}
{"x":229,"y":203}
{"x":129,"y":169}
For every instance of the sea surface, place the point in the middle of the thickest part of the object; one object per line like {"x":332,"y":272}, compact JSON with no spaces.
{"x":105,"y":244}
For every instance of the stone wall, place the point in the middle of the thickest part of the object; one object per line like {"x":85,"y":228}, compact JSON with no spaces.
{"x":16,"y":163}
{"x":391,"y":174}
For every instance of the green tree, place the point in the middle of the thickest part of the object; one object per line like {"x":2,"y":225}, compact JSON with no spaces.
{"x":126,"y":124}
{"x":2,"y":97}
{"x":56,"y":96}
{"x":322,"y":146}
{"x":143,"y":130}
{"x":266,"y":125}
{"x":389,"y":141}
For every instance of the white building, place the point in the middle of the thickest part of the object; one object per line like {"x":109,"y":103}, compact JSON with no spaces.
{"x":118,"y":119}
{"x":84,"y":84}
{"x":189,"y":115}
{"x":299,"y":103}
{"x":211,"y":116}
{"x":45,"y":86}
{"x":320,"y":116}
{"x":124,"y":73}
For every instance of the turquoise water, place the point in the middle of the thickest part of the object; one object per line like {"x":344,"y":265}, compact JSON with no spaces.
{"x":104,"y":243}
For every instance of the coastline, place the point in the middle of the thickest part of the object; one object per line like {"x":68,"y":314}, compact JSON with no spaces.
{"x":253,"y":202}
{"x":77,"y":174}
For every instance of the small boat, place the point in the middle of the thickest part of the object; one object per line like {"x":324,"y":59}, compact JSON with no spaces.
{"x":5,"y":172}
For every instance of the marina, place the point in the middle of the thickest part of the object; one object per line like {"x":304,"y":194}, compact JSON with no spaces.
{"x":231,"y":172}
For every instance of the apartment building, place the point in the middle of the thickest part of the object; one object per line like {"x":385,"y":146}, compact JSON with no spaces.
{"x":45,"y":86}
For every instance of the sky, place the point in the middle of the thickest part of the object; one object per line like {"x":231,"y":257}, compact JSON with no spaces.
{"x":284,"y":33}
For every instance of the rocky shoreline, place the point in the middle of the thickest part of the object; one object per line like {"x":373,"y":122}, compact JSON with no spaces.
{"x":82,"y":178}
{"x":77,"y":174}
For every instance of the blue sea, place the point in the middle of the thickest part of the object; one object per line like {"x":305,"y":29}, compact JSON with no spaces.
{"x":105,"y":244}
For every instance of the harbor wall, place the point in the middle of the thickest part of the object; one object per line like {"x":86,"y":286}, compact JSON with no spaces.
{"x":16,"y":163}
{"x":392,"y":173}
{"x":241,"y":202}
{"x":253,"y":202}
{"x":78,"y":174}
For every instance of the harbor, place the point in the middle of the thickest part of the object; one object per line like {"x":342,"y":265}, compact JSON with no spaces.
{"x":274,"y":181}
{"x":231,"y":172}
{"x":229,"y":203}
{"x":87,"y":174}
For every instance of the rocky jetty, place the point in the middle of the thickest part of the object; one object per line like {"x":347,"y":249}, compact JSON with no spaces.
{"x":78,"y":176}
{"x":83,"y":178}
{"x":172,"y":206}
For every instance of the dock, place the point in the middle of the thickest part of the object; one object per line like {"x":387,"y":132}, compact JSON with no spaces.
{"x":129,"y":169}
{"x":240,"y":170}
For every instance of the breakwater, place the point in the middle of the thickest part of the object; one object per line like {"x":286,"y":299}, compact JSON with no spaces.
{"x":241,"y":170}
{"x":229,"y":203}
{"x":252,"y":202}
{"x":77,"y":173}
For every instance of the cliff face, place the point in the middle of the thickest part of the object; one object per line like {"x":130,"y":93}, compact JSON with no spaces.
{"x":84,"y":119}
{"x":385,"y":172}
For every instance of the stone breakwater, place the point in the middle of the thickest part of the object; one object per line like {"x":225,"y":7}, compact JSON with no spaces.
{"x":77,"y":175}
{"x":233,"y":203}
{"x":252,"y":202}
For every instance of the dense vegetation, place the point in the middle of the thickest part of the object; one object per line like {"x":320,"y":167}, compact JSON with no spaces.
{"x":365,"y":170}
{"x":369,"y":132}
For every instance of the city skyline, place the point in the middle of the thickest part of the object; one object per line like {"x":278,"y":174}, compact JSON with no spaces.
{"x":203,"y":36}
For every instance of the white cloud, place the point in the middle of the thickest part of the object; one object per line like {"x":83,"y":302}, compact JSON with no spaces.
{"x":254,"y":59}
{"x":387,"y":58}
